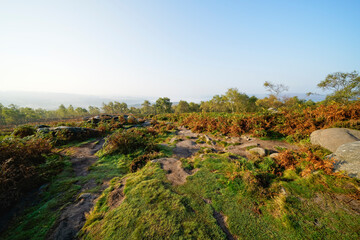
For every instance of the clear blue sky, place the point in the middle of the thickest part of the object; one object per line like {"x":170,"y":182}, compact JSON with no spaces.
{"x":183,"y":49}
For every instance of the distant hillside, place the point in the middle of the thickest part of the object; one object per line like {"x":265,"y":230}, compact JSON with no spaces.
{"x":53,"y":100}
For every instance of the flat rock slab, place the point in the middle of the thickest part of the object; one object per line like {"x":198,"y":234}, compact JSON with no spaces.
{"x":332,"y":138}
{"x":347,"y":158}
{"x":73,"y":218}
{"x":187,"y":133}
{"x":175,"y":173}
{"x":185,"y":149}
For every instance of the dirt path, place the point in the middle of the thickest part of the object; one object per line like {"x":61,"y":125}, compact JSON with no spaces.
{"x":72,"y":217}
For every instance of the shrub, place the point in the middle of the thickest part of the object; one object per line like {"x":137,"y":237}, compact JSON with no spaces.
{"x":20,"y":163}
{"x":24,"y":131}
{"x":141,"y":161}
{"x":305,"y":161}
{"x":296,"y":123}
{"x":127,"y":141}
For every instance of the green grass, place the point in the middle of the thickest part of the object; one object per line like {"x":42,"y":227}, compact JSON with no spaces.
{"x":245,"y":191}
{"x":77,"y":143}
{"x":257,"y":203}
{"x":294,"y":216}
{"x":37,"y":220}
{"x":151,"y":210}
{"x":61,"y":191}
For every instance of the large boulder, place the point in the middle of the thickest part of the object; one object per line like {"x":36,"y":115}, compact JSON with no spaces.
{"x":332,"y":138}
{"x":347,"y":158}
{"x":70,"y":133}
{"x":258,"y":151}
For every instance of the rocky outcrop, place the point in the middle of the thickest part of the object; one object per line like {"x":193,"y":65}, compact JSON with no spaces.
{"x":107,"y":118}
{"x":347,"y":158}
{"x":332,"y":138}
{"x":70,"y":133}
{"x":123,"y":119}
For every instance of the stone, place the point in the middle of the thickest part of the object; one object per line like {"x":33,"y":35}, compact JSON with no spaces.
{"x":274,"y":155}
{"x":332,"y":138}
{"x":347,"y":158}
{"x":209,"y":140}
{"x":85,"y":195}
{"x":273,"y":110}
{"x":173,"y":140}
{"x":259,"y":151}
{"x":71,"y":132}
{"x":146,"y":124}
{"x":42,"y":126}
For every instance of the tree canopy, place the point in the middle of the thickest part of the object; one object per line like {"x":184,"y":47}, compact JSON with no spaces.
{"x":344,"y":86}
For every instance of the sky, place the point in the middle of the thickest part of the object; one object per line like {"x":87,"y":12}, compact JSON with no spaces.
{"x":185,"y":49}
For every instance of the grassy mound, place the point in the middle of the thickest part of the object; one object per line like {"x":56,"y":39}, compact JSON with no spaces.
{"x":258,"y":199}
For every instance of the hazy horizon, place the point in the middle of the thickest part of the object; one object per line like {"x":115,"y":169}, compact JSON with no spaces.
{"x":51,"y":101}
{"x":177,"y":49}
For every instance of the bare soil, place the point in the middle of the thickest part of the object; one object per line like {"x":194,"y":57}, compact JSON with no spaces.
{"x":117,"y":196}
{"x":72,"y":218}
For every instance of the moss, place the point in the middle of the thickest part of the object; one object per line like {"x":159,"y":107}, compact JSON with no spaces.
{"x":151,"y":210}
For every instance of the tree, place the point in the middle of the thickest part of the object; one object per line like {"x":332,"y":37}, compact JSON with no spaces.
{"x":71,"y":111}
{"x":94,"y":110}
{"x":269,"y":102}
{"x":194,"y":107}
{"x":238,"y":102}
{"x":163,"y":105}
{"x":120,"y":107}
{"x":2,"y":120}
{"x":146,"y":107}
{"x":182,"y":107}
{"x":108,"y":108}
{"x":134,"y":110}
{"x":275,"y":89}
{"x":81,"y":111}
{"x":344,"y":86}
{"x":62,"y":111}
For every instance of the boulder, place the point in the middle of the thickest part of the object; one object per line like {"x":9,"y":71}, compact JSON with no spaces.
{"x":42,"y":126}
{"x":258,"y":151}
{"x":274,"y":155}
{"x":347,"y":158}
{"x":332,"y":138}
{"x":146,"y":124}
{"x":131,"y":120}
{"x":71,"y":133}
{"x":103,"y":118}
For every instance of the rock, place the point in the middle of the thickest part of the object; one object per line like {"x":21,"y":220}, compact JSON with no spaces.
{"x":146,"y":124}
{"x":273,"y":110}
{"x":173,"y":140}
{"x":246,"y":138}
{"x":71,"y":133}
{"x":235,"y":140}
{"x":347,"y":158}
{"x":85,"y":195}
{"x":274,"y":155}
{"x":106,"y":118}
{"x":131,"y":120}
{"x":332,"y":138}
{"x":259,"y":151}
{"x":42,"y":126}
{"x":209,"y":140}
